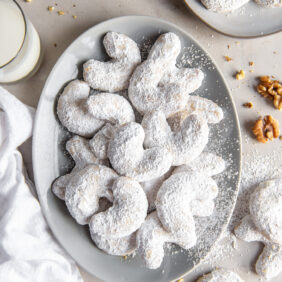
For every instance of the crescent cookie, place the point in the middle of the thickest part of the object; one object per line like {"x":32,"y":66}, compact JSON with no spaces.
{"x":220,"y":275}
{"x":185,"y":144}
{"x":269,"y":3}
{"x":79,"y":149}
{"x":113,"y":76}
{"x":84,"y":190}
{"x":72,"y":111}
{"x":151,"y":238}
{"x":111,"y":108}
{"x":182,"y":196}
{"x":127,"y":213}
{"x":158,"y":83}
{"x":222,"y":6}
{"x":117,"y":247}
{"x":128,"y":157}
{"x":196,"y":105}
{"x":264,"y":225}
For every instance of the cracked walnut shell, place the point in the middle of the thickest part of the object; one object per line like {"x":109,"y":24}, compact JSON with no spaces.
{"x":266,"y":129}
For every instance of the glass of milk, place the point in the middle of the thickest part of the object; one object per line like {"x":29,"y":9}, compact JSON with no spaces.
{"x":20,"y":48}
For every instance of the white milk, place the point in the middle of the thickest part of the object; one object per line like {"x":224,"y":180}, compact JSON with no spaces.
{"x":19,"y":44}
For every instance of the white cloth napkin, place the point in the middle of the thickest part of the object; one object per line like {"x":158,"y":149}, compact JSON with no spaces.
{"x":28,"y":251}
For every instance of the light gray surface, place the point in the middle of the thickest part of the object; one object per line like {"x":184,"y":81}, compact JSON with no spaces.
{"x":250,"y":20}
{"x":49,"y":161}
{"x":264,"y":51}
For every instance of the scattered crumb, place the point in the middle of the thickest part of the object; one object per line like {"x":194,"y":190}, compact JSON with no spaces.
{"x":51,"y":8}
{"x":240,"y":75}
{"x":180,"y":280}
{"x":274,"y":52}
{"x":251,"y":64}
{"x":280,"y":138}
{"x":55,"y":44}
{"x":61,"y":13}
{"x":74,"y":5}
{"x":228,"y":46}
{"x":74,"y":16}
{"x":248,"y":105}
{"x":228,"y":59}
{"x":125,"y":257}
{"x":28,"y":1}
{"x":251,"y":70}
{"x":237,"y":42}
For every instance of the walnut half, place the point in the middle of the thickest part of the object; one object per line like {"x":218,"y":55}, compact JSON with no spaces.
{"x":271,"y":89}
{"x":266,"y":129}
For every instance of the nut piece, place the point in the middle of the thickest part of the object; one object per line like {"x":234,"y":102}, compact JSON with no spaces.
{"x":271,"y":89}
{"x":240,"y":75}
{"x":51,"y":8}
{"x":248,"y":105}
{"x":228,"y":59}
{"x":266,"y":129}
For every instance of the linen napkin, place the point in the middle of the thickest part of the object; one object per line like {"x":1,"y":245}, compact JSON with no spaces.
{"x":28,"y":251}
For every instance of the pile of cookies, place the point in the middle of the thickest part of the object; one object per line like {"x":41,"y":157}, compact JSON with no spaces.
{"x":138,"y":185}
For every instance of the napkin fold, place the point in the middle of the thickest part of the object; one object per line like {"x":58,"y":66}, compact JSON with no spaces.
{"x":28,"y":251}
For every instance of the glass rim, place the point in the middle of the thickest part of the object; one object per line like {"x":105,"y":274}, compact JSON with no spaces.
{"x":24,"y":38}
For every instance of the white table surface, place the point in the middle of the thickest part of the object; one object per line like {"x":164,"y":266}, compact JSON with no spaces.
{"x":62,"y":30}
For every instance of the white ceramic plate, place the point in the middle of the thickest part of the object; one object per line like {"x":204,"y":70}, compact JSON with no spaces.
{"x":50,"y":160}
{"x":251,"y":20}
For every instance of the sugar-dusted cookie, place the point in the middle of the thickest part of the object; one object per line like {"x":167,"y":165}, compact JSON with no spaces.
{"x":72,"y":111}
{"x":84,"y":190}
{"x":128,"y":157}
{"x":127,"y":213}
{"x":221,"y":6}
{"x":265,"y":224}
{"x":113,"y":76}
{"x":158,"y":83}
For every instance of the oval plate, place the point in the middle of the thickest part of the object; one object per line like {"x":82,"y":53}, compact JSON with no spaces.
{"x":251,"y":20}
{"x":50,"y":160}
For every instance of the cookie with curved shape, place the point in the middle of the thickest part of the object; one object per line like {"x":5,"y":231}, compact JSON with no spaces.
{"x":100,"y":142}
{"x":207,"y":164}
{"x":72,"y":111}
{"x":84,"y":190}
{"x":79,"y":149}
{"x":127,"y":213}
{"x":151,"y":238}
{"x":113,"y":76}
{"x":182,"y":196}
{"x":269,"y":3}
{"x":185,"y":144}
{"x":223,"y":6}
{"x":196,"y":105}
{"x":264,"y":225}
{"x":128,"y":157}
{"x":220,"y":275}
{"x":111,"y":108}
{"x":158,"y":84}
{"x":117,"y":247}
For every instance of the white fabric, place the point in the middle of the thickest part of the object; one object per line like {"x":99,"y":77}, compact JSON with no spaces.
{"x":28,"y":251}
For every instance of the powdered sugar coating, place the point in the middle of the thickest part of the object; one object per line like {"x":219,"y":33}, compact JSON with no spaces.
{"x":206,"y":163}
{"x":221,"y":6}
{"x":100,"y":142}
{"x":113,"y":76}
{"x":151,"y":188}
{"x":185,"y":144}
{"x":220,"y":275}
{"x":264,"y":224}
{"x":266,"y":209}
{"x":111,"y":108}
{"x":196,"y":105}
{"x":128,"y":158}
{"x":158,"y":83}
{"x":269,"y":3}
{"x":85,"y":189}
{"x":117,"y":247}
{"x":151,"y":238}
{"x":79,"y":149}
{"x":180,"y":197}
{"x":72,"y":111}
{"x":127,"y":213}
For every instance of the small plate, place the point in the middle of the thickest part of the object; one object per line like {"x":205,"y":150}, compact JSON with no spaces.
{"x":251,"y":20}
{"x":50,"y":159}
